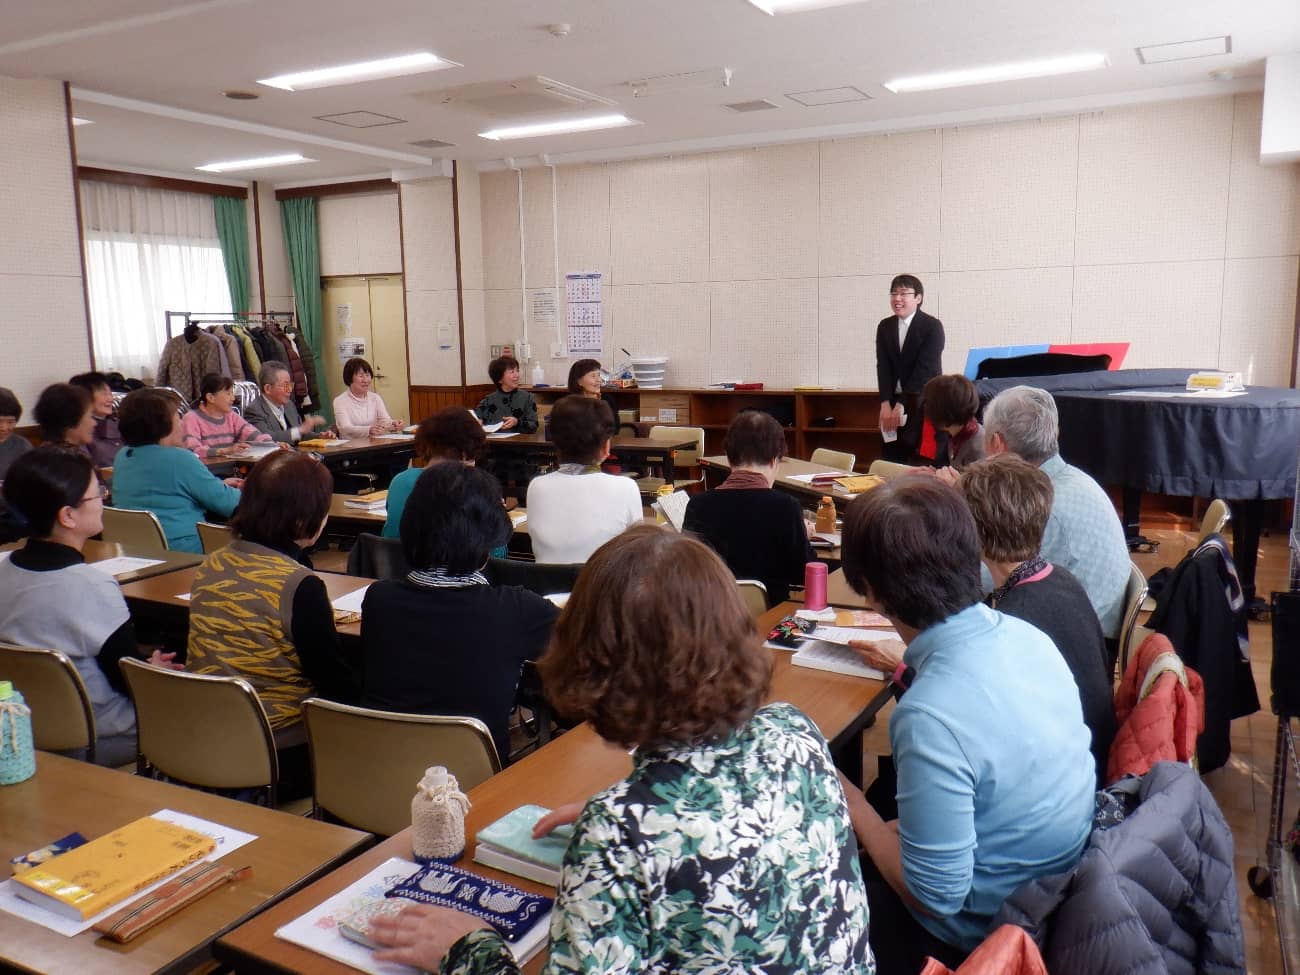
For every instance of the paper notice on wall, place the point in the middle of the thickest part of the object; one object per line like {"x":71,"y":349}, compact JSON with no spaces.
{"x":584,"y":319}
{"x":351,"y":347}
{"x":343,"y":313}
{"x":542,"y":310}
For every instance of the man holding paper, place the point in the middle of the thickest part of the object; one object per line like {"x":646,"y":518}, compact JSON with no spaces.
{"x":909,"y":350}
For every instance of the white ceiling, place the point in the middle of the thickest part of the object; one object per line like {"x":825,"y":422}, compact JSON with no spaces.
{"x":153,"y":60}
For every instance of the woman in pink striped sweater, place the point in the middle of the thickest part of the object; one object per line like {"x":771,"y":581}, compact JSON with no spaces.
{"x":213,"y":428}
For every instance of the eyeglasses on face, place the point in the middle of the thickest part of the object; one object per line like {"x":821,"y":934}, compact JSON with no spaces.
{"x":99,"y":496}
{"x":902,"y":293}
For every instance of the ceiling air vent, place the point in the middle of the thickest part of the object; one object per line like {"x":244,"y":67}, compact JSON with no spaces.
{"x":431,"y":144}
{"x":518,"y":99}
{"x":757,"y":105}
{"x":360,"y":120}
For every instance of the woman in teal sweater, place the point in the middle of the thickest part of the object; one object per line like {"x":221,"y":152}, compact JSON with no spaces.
{"x":453,"y":433}
{"x":154,"y":473}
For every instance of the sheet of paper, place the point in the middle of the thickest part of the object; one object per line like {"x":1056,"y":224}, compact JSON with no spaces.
{"x":395,"y":436}
{"x":518,"y":518}
{"x":559,"y":599}
{"x":228,"y":840}
{"x":258,"y":450}
{"x":492,"y":427}
{"x":503,"y":435}
{"x":808,"y":478}
{"x":317,"y":930}
{"x":351,"y":603}
{"x":123,"y":564}
{"x":183,"y":595}
{"x":843,"y":634}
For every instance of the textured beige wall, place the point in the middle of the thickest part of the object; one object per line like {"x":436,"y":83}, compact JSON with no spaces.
{"x":1153,"y":224}
{"x":42,"y":301}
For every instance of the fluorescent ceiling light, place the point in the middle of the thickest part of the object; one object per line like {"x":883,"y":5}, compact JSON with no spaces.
{"x":1067,"y":64}
{"x":347,"y":74}
{"x":82,"y":121}
{"x":259,"y":163}
{"x":796,"y":6}
{"x":587,"y":124}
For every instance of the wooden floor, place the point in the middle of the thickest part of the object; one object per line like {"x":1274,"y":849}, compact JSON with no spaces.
{"x":1242,"y":787}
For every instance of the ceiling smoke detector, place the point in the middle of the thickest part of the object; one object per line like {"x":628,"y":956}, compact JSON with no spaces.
{"x":241,"y":96}
{"x":558,"y":30}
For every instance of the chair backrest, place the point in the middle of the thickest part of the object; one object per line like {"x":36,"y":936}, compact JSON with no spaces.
{"x":182,"y":404}
{"x":885,"y":469}
{"x":204,"y":731}
{"x":754,"y":595}
{"x":213,"y":537}
{"x":539,"y":577}
{"x":841,"y":459}
{"x":689,"y":457}
{"x":366,"y":763}
{"x":1217,"y":516}
{"x":246,"y":394}
{"x":62,"y":718}
{"x":1135,"y":592}
{"x":376,"y":557}
{"x":139,"y":532}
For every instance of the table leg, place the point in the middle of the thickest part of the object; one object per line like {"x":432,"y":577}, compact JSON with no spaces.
{"x":1132,"y":512}
{"x":1247,"y":520}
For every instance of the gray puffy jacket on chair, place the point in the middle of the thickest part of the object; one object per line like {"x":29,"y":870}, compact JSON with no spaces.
{"x":1153,"y":894}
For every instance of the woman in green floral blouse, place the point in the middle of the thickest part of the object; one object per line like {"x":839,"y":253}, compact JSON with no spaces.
{"x":728,"y":848}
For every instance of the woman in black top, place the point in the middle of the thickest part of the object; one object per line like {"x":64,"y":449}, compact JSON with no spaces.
{"x":442,"y":640}
{"x":760,"y":533}
{"x":1011,"y":499}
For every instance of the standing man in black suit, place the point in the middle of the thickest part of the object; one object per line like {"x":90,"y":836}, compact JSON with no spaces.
{"x":909,"y":349}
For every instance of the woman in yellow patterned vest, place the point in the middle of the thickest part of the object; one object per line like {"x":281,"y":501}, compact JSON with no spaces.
{"x":257,"y":611}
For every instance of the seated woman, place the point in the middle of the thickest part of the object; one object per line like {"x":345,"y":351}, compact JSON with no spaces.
{"x":951,"y":404}
{"x":53,"y":599}
{"x":257,"y":610}
{"x":359,"y":411}
{"x":64,"y":414}
{"x":575,"y":509}
{"x":995,"y":782}
{"x":760,"y":533}
{"x":450,"y":434}
{"x":1010,"y":500}
{"x":443,"y":641}
{"x":12,"y":446}
{"x":155,"y":473}
{"x":213,"y":428}
{"x":512,"y":407}
{"x":107,"y":439}
{"x":728,"y":847}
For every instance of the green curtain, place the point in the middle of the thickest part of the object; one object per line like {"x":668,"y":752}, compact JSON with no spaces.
{"x":302,"y":246}
{"x":232,"y":231}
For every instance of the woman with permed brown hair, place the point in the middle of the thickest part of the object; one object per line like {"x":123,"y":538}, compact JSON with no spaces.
{"x":728,"y":847}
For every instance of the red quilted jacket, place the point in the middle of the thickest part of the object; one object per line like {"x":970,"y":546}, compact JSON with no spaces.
{"x":1162,"y":724}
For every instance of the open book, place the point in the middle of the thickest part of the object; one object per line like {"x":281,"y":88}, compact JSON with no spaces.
{"x":673,"y":507}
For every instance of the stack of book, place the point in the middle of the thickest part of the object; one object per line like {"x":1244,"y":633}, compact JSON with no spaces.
{"x":94,"y":876}
{"x":508,"y":845}
{"x":367,"y":502}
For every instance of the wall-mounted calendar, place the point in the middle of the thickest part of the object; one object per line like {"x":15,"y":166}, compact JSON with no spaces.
{"x":584,"y":320}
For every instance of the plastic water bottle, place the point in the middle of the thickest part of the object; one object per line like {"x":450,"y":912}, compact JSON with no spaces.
{"x":539,"y":374}
{"x":17,"y":756}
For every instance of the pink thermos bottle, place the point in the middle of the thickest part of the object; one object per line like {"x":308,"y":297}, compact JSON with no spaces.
{"x":814,"y":585}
